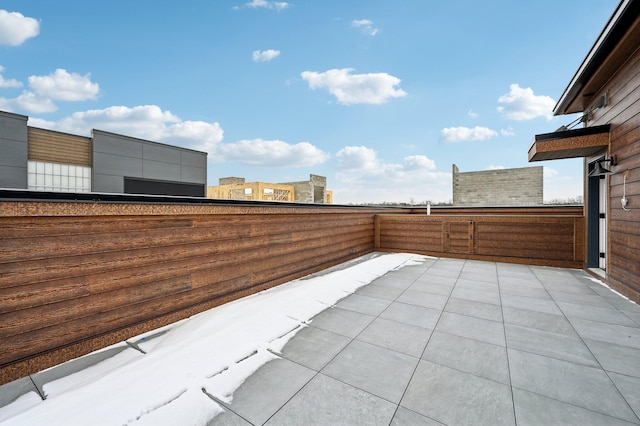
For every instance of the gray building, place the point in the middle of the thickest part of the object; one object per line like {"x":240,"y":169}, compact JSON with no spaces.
{"x":503,"y":187}
{"x":45,"y":160}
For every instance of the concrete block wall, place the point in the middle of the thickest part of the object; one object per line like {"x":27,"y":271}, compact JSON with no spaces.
{"x":504,"y":187}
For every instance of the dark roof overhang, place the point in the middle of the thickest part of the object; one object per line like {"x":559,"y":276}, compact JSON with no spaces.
{"x":575,"y":143}
{"x":614,"y":46}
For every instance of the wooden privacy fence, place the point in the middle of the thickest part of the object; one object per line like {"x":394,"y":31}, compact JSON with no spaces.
{"x":530,"y":239}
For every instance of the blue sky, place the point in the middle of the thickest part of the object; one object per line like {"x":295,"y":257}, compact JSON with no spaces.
{"x":379,"y":96}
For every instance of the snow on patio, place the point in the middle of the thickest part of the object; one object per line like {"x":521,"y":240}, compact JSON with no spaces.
{"x":209,"y":354}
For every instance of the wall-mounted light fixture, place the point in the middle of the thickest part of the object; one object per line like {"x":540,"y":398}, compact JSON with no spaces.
{"x":600,"y":170}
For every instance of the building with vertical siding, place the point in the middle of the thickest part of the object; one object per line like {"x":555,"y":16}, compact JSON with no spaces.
{"x":606,"y":91}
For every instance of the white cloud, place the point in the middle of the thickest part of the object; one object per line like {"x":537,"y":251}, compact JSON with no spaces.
{"x":372,"y":88}
{"x":521,"y":104}
{"x":146,"y":122}
{"x":64,"y":86}
{"x":472,"y":114}
{"x":357,"y":158}
{"x":271,"y":153}
{"x":60,"y":85}
{"x":365,"y":25}
{"x":28,"y":101}
{"x":459,"y":134}
{"x":277,"y":5}
{"x":495,"y":167}
{"x":265,"y":55}
{"x":15,"y":28}
{"x":549,"y":172}
{"x":362,"y":177}
{"x":419,"y":162}
{"x":507,"y":132}
{"x":8,"y":83}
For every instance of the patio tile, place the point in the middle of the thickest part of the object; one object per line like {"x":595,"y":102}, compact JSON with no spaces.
{"x":609,"y":315}
{"x":314,"y":347}
{"x":374,"y":369}
{"x":479,"y":275}
{"x":553,"y":345}
{"x":520,"y":290}
{"x":468,"y":355}
{"x":623,"y":304}
{"x":474,"y":309}
{"x":534,"y":410}
{"x":521,"y":281}
{"x":394,"y":282}
{"x":635,"y":316}
{"x":264,"y":392}
{"x":616,"y":358}
{"x":477,"y":285}
{"x":530,"y":304}
{"x":580,"y":299}
{"x":364,"y":304}
{"x":419,"y":298}
{"x":406,"y":417}
{"x":432,"y":288}
{"x":629,"y":387}
{"x":617,"y":334}
{"x":443,"y":271}
{"x":405,"y":338}
{"x":539,"y":320}
{"x":575,"y":384}
{"x":572,"y":286}
{"x":326,"y":401}
{"x":341,"y":321}
{"x":453,"y":397}
{"x":432,"y":278}
{"x":380,"y":291}
{"x":477,"y":295}
{"x":411,"y":314}
{"x":471,"y":327}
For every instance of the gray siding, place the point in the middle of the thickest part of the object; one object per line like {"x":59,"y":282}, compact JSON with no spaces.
{"x":116,"y":157}
{"x":13,"y":150}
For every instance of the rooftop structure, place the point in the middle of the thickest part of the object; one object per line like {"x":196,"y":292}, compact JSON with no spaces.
{"x":45,"y":160}
{"x":235,"y":188}
{"x":502,"y":187}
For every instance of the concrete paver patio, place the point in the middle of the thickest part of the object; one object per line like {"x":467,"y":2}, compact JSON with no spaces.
{"x":453,"y":342}
{"x":457,"y":342}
